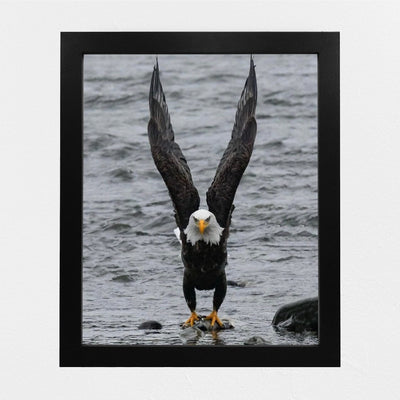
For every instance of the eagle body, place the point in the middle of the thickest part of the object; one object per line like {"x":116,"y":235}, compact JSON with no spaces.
{"x":204,"y":269}
{"x":204,"y":263}
{"x":203,"y":233}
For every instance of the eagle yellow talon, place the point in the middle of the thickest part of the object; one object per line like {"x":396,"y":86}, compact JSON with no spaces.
{"x":193,"y":317}
{"x":214,"y":319}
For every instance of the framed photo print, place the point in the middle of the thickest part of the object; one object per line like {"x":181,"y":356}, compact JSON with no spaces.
{"x":200,"y":219}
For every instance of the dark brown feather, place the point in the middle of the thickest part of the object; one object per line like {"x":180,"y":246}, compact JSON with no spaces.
{"x":237,"y":155}
{"x":168,"y":156}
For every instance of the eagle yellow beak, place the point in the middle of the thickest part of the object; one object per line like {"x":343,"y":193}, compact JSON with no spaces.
{"x":202,"y":225}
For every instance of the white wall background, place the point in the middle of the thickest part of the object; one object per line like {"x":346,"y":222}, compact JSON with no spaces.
{"x":29,"y":214}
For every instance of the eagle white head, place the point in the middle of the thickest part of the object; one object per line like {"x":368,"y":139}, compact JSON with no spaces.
{"x":203,"y":226}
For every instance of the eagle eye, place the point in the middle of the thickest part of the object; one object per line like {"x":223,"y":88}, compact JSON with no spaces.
{"x":208,"y":219}
{"x":195,"y":219}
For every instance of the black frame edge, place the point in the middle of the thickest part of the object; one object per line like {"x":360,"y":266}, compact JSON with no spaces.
{"x":73,"y":46}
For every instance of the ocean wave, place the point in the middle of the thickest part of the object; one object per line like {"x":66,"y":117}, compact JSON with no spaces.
{"x":274,"y":93}
{"x":306,"y":234}
{"x":101,"y":100}
{"x":116,"y":226}
{"x":302,"y":95}
{"x":281,"y":102}
{"x":283,"y":259}
{"x":225,"y":77}
{"x":299,"y":220}
{"x":138,"y":213}
{"x":101,"y":141}
{"x":106,"y":78}
{"x":160,"y":221}
{"x":123,"y":278}
{"x":175,"y":94}
{"x":282,"y":234}
{"x":142,"y":233}
{"x":275,"y":143}
{"x":123,"y":174}
{"x":286,"y":116}
{"x":118,"y":153}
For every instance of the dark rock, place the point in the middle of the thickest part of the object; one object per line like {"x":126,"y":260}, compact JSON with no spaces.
{"x":150,"y":325}
{"x":298,"y":317}
{"x":204,"y":325}
{"x":256,"y":341}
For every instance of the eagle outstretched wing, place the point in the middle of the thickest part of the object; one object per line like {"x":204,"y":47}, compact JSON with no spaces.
{"x":237,"y":155}
{"x":168,"y":156}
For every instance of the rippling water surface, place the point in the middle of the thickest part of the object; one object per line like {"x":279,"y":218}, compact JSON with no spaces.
{"x":132,"y":270}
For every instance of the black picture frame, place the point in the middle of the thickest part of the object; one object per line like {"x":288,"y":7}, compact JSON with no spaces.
{"x":74,"y":45}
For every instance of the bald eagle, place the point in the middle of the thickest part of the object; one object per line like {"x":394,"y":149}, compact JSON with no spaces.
{"x":203,"y":233}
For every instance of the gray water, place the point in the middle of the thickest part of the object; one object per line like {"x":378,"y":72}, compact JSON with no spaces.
{"x":132,"y":270}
